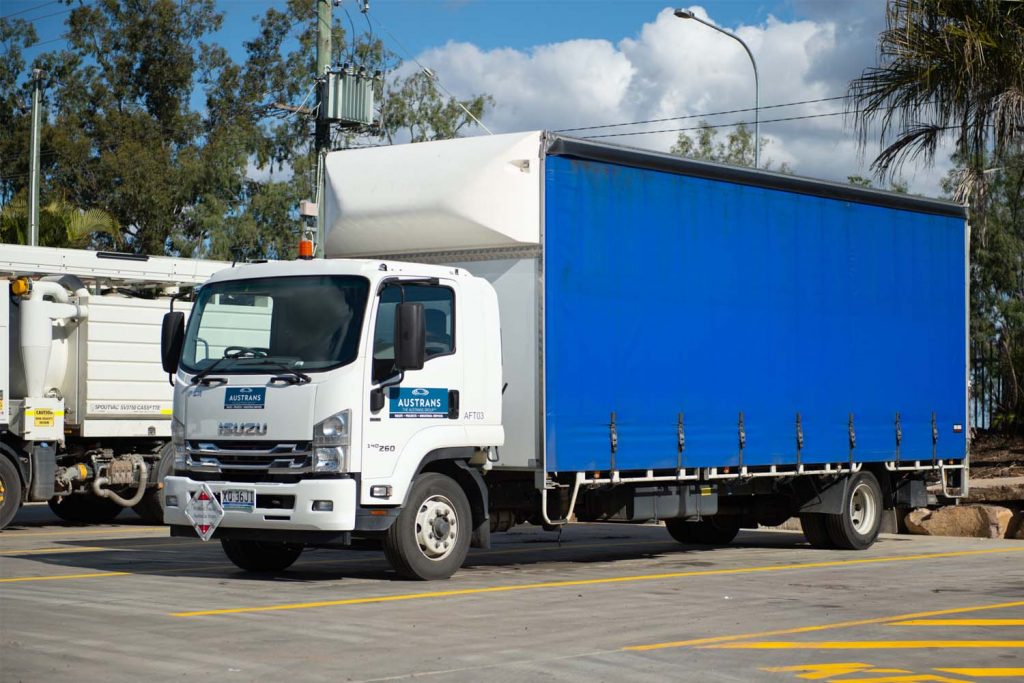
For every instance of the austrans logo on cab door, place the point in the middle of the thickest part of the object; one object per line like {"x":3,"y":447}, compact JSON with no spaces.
{"x":418,"y":402}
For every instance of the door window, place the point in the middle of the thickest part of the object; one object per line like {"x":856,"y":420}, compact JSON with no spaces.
{"x":439,"y":318}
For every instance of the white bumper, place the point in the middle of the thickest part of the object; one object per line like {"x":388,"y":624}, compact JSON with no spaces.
{"x":300,"y":518}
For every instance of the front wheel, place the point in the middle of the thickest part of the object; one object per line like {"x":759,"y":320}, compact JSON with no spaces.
{"x":10,"y":491}
{"x":856,"y":527}
{"x":151,"y":507}
{"x":84,"y":508}
{"x":261,"y":556}
{"x":717,"y":530}
{"x":430,"y":539}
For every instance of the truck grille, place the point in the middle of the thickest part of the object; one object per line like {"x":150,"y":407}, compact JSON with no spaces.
{"x":237,"y":458}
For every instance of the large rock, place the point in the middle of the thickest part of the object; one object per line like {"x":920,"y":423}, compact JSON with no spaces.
{"x":979,"y":521}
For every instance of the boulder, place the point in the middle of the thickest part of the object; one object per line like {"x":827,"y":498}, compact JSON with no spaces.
{"x":979,"y":521}
{"x":915,"y":518}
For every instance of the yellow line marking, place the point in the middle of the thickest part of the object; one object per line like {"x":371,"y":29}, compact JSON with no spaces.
{"x":822,"y":627}
{"x":960,"y":622}
{"x":83,"y":549}
{"x":592,"y":582}
{"x":814,"y":672}
{"x":866,"y":645}
{"x":988,"y":672}
{"x":58,"y":577}
{"x":78,"y":532}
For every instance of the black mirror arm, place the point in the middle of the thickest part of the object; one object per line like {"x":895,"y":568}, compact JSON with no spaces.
{"x":377,"y":393}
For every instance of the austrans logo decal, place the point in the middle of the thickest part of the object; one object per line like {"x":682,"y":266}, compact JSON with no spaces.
{"x":252,"y":398}
{"x":418,"y":402}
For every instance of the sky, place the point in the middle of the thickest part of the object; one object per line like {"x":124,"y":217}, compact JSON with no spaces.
{"x":561,"y":64}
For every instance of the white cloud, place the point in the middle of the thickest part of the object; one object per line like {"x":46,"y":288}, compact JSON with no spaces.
{"x":673,"y":67}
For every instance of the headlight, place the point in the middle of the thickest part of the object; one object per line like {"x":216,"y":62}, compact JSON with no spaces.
{"x":330,"y":459}
{"x":330,"y":443}
{"x":178,"y":441}
{"x":333,"y":431}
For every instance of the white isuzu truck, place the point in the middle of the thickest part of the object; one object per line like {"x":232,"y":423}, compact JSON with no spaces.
{"x":85,"y":408}
{"x":530,"y":327}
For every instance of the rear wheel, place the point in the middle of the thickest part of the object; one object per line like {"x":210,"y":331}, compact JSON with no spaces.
{"x":84,"y":508}
{"x":815,"y":528}
{"x":718,"y":530}
{"x":856,"y":527}
{"x":10,"y":491}
{"x":430,"y":538}
{"x":261,"y":556}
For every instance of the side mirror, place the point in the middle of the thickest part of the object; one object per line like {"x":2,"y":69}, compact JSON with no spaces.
{"x":410,"y":337}
{"x":172,"y":336}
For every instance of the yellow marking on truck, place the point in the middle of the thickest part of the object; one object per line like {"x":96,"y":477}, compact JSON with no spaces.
{"x":601,"y":581}
{"x":58,"y":577}
{"x":987,"y":672}
{"x":822,"y":627}
{"x":166,"y":411}
{"x":959,"y":622}
{"x":866,"y":645}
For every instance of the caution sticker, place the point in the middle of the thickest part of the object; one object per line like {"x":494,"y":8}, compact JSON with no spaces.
{"x":42,"y":417}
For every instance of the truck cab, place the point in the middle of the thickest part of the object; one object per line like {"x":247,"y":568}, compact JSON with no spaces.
{"x":318,"y":401}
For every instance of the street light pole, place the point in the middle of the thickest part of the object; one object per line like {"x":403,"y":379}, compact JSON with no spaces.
{"x":33,"y":159}
{"x":686,"y":14}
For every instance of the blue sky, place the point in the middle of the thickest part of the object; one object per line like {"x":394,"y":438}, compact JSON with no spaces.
{"x":559,"y":64}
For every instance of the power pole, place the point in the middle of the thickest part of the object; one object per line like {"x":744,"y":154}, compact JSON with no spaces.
{"x":33,"y":160}
{"x":322,"y":139}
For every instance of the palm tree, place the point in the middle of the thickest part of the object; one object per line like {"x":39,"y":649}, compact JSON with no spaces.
{"x":60,"y":225}
{"x":946,"y":68}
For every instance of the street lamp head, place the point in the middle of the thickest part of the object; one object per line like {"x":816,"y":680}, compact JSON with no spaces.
{"x":684,"y":14}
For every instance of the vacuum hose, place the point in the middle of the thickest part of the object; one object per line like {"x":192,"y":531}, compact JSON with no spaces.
{"x":99,"y":482}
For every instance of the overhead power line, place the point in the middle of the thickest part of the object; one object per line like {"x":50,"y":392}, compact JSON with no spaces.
{"x":30,"y":9}
{"x":720,"y":125}
{"x":697,"y":116}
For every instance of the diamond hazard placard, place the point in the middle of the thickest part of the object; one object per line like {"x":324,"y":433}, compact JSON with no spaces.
{"x":204,"y":511}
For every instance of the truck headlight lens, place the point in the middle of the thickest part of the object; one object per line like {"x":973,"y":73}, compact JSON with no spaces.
{"x":330,"y":443}
{"x":330,"y":459}
{"x":178,"y":441}
{"x":333,"y":431}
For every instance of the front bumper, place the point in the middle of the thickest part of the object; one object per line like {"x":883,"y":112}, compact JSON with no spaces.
{"x":300,"y":517}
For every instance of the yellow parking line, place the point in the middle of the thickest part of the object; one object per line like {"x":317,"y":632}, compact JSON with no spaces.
{"x":594,"y":582}
{"x":987,"y":672}
{"x":83,"y":549}
{"x":76,"y":531}
{"x":822,"y":627}
{"x":959,"y":622}
{"x":58,"y":577}
{"x":866,"y":645}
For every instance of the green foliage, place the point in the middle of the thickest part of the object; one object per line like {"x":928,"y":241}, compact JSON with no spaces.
{"x":416,"y":106}
{"x":189,"y":151}
{"x":997,"y":277}
{"x":947,"y":68}
{"x":60,"y":225}
{"x":736,"y":149}
{"x":896,"y":185}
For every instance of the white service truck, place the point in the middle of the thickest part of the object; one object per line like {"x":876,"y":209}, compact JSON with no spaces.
{"x":530,"y":327}
{"x":85,"y":408}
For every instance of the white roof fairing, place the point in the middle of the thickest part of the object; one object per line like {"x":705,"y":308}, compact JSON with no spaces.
{"x":467,"y":193}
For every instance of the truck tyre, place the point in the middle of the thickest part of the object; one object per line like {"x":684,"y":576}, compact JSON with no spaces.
{"x":856,"y":528}
{"x":816,"y":530}
{"x":84,"y":508}
{"x":261,"y":556}
{"x":151,"y":507}
{"x":10,"y":491}
{"x":430,"y":539}
{"x":717,"y":530}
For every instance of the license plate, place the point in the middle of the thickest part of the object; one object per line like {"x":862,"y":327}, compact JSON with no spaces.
{"x":238,"y":499}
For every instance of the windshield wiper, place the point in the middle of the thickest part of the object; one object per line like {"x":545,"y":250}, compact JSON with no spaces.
{"x":293,"y":377}
{"x":202,"y":374}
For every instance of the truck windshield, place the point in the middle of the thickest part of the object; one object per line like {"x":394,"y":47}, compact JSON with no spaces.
{"x":305,"y":323}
